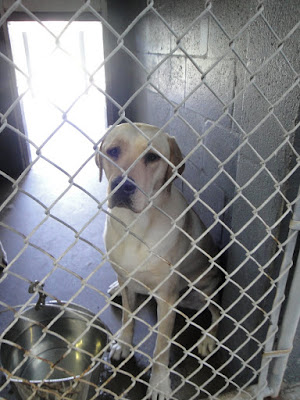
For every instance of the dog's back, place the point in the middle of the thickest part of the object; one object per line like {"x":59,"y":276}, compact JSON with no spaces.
{"x":195,"y":249}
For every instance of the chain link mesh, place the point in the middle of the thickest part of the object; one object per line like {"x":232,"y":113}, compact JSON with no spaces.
{"x":76,"y":268}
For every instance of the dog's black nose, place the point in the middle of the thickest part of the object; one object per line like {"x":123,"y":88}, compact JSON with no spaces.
{"x":122,"y":197}
{"x":126,"y":189}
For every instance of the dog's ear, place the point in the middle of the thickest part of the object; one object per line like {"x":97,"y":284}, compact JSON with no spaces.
{"x":99,"y":162}
{"x":175,"y":157}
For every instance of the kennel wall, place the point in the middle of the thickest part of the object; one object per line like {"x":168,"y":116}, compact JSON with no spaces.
{"x":223,"y":78}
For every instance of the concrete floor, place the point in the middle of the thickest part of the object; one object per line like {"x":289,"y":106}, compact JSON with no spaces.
{"x":79,"y":259}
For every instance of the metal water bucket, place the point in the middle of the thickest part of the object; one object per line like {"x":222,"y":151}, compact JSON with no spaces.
{"x":42,"y":362}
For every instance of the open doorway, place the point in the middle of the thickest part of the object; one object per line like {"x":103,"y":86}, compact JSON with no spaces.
{"x":60,"y":80}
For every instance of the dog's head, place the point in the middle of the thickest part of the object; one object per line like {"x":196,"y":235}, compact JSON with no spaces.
{"x":137,"y":160}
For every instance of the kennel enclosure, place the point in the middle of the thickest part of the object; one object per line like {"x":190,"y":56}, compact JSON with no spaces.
{"x":223,"y":78}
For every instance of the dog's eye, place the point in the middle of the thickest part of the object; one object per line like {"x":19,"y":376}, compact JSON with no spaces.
{"x":114,"y":152}
{"x":151,"y":157}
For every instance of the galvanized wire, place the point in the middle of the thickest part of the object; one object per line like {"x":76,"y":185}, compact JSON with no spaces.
{"x":264,"y":346}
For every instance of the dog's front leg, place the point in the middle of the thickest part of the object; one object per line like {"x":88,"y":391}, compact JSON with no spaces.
{"x":160,"y":384}
{"x":120,"y":348}
{"x":209,"y":342}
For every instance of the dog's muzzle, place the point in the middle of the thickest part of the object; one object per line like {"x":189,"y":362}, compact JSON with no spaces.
{"x":123,"y":196}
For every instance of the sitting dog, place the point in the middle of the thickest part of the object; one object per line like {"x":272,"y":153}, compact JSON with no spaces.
{"x":154,"y":240}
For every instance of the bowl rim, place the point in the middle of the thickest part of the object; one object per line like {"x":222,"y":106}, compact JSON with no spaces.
{"x":78,"y":310}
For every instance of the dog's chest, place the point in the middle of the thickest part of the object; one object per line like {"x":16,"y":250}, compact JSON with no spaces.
{"x":140,"y":248}
{"x":129,"y":254}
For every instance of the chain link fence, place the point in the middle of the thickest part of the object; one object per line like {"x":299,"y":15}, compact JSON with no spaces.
{"x":222,"y":78}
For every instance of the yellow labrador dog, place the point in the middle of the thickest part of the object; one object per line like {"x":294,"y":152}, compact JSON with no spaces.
{"x":154,"y":240}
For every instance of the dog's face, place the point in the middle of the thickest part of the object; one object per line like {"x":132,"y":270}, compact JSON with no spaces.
{"x":135,"y":164}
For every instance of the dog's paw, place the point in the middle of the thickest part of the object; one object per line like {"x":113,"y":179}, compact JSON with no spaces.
{"x":206,"y":346}
{"x":160,"y":387}
{"x":113,"y":288}
{"x":119,"y":351}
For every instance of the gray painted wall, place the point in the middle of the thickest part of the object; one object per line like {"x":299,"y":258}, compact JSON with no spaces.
{"x":213,"y":95}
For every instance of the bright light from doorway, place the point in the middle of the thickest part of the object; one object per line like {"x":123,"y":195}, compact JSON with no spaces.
{"x":60,"y":77}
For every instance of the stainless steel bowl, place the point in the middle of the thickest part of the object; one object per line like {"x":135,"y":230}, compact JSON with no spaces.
{"x":51,"y":355}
